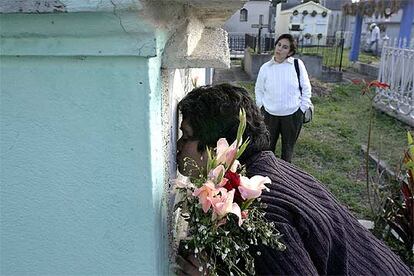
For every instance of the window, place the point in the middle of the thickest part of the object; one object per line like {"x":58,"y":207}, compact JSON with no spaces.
{"x":243,"y":14}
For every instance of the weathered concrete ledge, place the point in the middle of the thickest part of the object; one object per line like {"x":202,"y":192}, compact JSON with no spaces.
{"x":212,"y":49}
{"x":197,"y":46}
{"x":370,"y":70}
{"x":313,"y":64}
{"x":199,"y":41}
{"x":331,"y":76}
{"x":56,"y":6}
{"x":407,"y":119}
{"x":252,"y":62}
{"x":193,"y":27}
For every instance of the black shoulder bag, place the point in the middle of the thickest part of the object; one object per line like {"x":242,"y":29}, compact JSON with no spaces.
{"x":307,"y":116}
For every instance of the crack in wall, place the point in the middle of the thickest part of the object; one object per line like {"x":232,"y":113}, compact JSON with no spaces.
{"x":119,"y":17}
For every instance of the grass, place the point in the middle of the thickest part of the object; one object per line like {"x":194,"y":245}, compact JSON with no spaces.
{"x":329,"y":147}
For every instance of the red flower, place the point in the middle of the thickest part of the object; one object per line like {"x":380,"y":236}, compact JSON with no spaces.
{"x":233,"y":180}
{"x":378,"y":84}
{"x":355,"y":81}
{"x":233,"y":183}
{"x":365,"y":86}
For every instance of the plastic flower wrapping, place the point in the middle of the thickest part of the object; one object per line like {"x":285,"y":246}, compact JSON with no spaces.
{"x":226,"y":220}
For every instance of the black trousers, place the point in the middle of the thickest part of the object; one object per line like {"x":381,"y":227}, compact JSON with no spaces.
{"x":286,"y":126}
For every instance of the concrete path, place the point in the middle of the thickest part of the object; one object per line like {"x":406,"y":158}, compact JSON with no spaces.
{"x":233,"y":74}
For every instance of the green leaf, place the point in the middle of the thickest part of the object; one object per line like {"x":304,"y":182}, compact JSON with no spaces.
{"x":242,"y":126}
{"x":242,"y":148}
{"x":409,"y":164}
{"x":409,"y":138}
{"x":411,"y":151}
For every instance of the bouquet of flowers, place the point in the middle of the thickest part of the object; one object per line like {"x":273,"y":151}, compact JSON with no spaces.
{"x":226,"y":221}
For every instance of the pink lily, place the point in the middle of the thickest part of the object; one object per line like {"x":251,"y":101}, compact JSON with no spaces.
{"x":235,"y":165}
{"x":204,"y":194}
{"x":225,"y":153}
{"x":223,"y":204}
{"x":252,"y":188}
{"x":216,"y":175}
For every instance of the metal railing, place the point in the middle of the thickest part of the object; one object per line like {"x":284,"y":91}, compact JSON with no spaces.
{"x":396,"y":69}
{"x":266,"y":43}
{"x":239,"y":42}
{"x":330,"y":49}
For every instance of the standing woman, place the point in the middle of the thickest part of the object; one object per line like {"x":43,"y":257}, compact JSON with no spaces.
{"x":279,"y":97}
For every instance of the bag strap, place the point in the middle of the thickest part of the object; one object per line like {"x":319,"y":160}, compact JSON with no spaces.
{"x":296,"y":63}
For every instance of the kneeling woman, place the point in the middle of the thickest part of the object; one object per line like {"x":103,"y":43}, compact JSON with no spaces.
{"x":321,"y":236}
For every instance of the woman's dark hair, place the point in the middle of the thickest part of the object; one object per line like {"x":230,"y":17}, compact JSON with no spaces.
{"x":292,"y":41}
{"x":213,"y":113}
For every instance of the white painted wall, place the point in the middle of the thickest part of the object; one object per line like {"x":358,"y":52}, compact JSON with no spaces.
{"x":254,"y":8}
{"x":313,"y":25}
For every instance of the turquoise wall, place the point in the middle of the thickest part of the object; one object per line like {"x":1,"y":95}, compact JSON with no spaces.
{"x":81,"y":162}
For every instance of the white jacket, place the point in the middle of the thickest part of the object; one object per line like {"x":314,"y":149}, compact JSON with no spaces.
{"x":277,"y":87}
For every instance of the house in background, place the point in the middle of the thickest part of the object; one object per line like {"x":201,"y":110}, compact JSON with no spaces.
{"x":335,"y":17}
{"x":240,"y":23}
{"x":307,"y":21}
